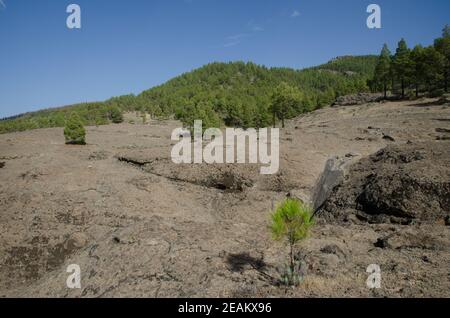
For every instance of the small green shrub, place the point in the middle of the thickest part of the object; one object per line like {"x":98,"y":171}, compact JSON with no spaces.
{"x":292,"y":222}
{"x":116,"y":115}
{"x":411,"y":95}
{"x":74,"y":131}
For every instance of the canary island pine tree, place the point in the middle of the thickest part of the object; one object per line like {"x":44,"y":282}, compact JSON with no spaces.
{"x":291,"y":221}
{"x":74,"y":131}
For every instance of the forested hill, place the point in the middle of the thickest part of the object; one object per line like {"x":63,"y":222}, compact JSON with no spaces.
{"x":363,"y":65}
{"x":232,"y":94}
{"x":239,"y":94}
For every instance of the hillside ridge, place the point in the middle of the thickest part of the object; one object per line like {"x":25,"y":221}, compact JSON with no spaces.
{"x":233,"y":93}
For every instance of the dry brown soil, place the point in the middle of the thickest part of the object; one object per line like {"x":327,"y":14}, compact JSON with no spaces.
{"x":140,"y":226}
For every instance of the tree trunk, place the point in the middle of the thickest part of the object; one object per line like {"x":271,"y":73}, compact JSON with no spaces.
{"x":403,"y":88}
{"x":274,"y":120}
{"x":291,"y":255}
{"x":385,"y":90}
{"x":446,"y":82}
{"x":417,"y":90}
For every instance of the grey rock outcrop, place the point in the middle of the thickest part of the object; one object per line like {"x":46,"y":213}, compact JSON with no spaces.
{"x":358,"y":99}
{"x":398,"y":184}
{"x":332,"y":175}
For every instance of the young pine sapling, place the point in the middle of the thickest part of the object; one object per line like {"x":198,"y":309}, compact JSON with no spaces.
{"x":291,"y":221}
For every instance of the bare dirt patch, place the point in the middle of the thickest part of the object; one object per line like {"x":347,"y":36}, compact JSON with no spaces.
{"x":140,"y":226}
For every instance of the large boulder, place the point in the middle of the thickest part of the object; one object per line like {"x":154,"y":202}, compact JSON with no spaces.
{"x":398,"y":184}
{"x":332,"y":175}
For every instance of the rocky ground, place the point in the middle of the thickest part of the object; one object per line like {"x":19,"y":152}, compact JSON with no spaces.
{"x":140,"y":226}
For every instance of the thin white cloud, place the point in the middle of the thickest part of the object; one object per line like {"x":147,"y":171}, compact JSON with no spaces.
{"x":235,"y":39}
{"x":295,"y":14}
{"x":230,"y":44}
{"x":2,"y":4}
{"x":255,"y":27}
{"x":238,"y":36}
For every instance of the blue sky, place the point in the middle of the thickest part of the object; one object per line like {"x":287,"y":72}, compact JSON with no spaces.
{"x":129,"y":46}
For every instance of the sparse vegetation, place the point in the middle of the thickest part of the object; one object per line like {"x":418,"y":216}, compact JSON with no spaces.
{"x":74,"y":131}
{"x":292,"y":222}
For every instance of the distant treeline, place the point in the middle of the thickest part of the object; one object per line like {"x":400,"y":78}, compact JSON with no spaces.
{"x":231,"y":94}
{"x":414,"y":71}
{"x":12,"y":117}
{"x":99,"y":113}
